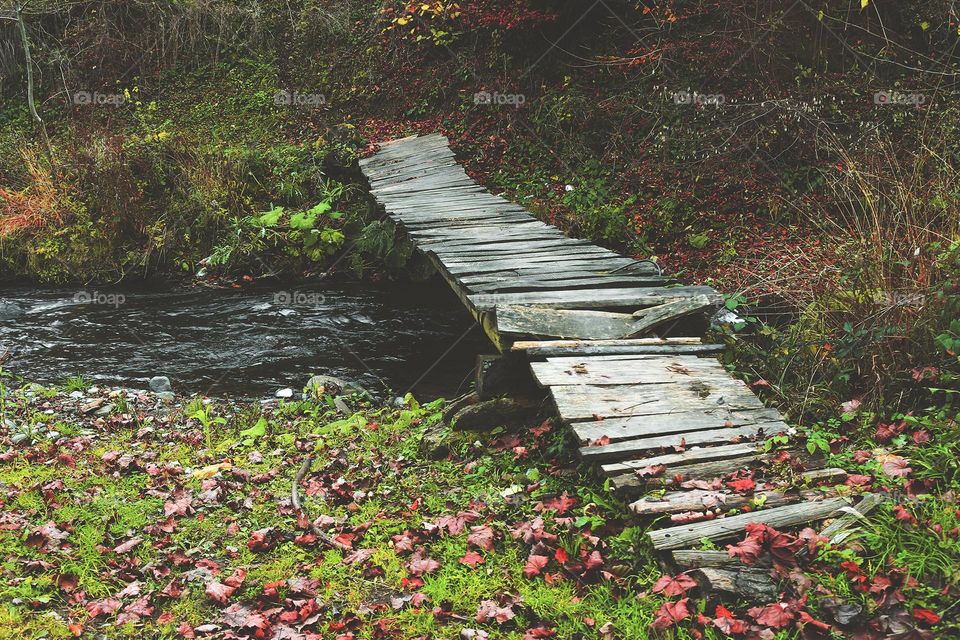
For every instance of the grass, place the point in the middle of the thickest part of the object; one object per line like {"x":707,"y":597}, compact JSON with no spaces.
{"x":370,"y":481}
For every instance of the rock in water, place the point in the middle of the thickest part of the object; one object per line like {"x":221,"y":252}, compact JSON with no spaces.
{"x":160,"y":384}
{"x":285,"y":393}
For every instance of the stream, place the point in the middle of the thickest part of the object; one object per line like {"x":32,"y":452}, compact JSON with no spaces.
{"x":245,"y":343}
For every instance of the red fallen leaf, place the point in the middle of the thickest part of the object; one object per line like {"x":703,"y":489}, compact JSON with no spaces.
{"x":544,"y":428}
{"x":895,"y":466}
{"x":743,"y":485}
{"x":75,"y":629}
{"x":139,"y":608}
{"x":535,"y":565}
{"x":674,"y":585}
{"x":456,"y":524}
{"x":926,"y":615}
{"x":103,"y":607}
{"x":127,"y":546}
{"x":221,"y":591}
{"x":726,"y":622}
{"x":671,"y":613}
{"x":259,"y":540}
{"x":776,"y":615}
{"x":492,"y":610}
{"x":538,"y":632}
{"x":471,"y":559}
{"x":481,"y":537}
{"x":689,"y":516}
{"x":186,"y":631}
{"x":784,"y":547}
{"x":651,"y":471}
{"x":858,"y":480}
{"x":861,"y":456}
{"x":305,"y":540}
{"x":67,"y":581}
{"x":47,"y":535}
{"x":602,"y":441}
{"x":887,"y":432}
{"x":593,"y":561}
{"x":921,"y":437}
{"x":404,"y":542}
{"x":561,"y":555}
{"x":760,"y":383}
{"x":748,"y":550}
{"x":560,"y":503}
{"x":807,"y":619}
{"x":420,"y":565}
{"x":357,"y":557}
{"x":180,"y":506}
{"x":901,"y":514}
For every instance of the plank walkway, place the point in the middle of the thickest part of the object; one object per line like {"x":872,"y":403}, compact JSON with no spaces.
{"x":608,"y":337}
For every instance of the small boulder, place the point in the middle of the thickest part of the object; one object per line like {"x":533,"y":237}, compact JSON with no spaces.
{"x":501,"y":412}
{"x":160,"y":384}
{"x":284,"y":393}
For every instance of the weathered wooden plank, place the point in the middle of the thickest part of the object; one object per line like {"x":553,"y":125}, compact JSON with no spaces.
{"x":583,"y":402}
{"x":533,"y":321}
{"x":691,"y":559}
{"x":618,"y":371}
{"x":682,"y":458}
{"x":725,"y":499}
{"x":749,"y":583}
{"x":627,"y":297}
{"x":631,"y":484}
{"x":601,"y":348}
{"x":638,"y":446}
{"x":647,"y":319}
{"x":621,"y":429}
{"x":556,"y":285}
{"x":732,"y":526}
{"x":558,"y":264}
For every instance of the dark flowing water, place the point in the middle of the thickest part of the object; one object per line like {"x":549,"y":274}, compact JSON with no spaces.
{"x":246,"y":343}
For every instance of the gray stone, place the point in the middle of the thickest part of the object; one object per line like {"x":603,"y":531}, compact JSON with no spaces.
{"x":284,"y":393}
{"x":160,"y":384}
{"x":17,"y":438}
{"x":502,"y":412}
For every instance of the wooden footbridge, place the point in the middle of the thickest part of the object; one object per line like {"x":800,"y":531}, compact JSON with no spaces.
{"x":617,"y":345}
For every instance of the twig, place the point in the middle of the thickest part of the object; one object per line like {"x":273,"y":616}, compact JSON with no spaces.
{"x":295,"y":501}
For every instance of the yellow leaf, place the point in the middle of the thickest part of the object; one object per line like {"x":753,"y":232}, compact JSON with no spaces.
{"x":924,"y":25}
{"x":402,"y":21}
{"x":864,"y":4}
{"x":212,"y":470}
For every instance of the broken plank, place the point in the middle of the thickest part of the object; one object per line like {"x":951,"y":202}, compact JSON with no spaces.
{"x":533,"y":321}
{"x":732,"y":526}
{"x":647,"y":319}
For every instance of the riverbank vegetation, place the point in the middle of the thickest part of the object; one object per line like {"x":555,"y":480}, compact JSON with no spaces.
{"x":802,"y":159}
